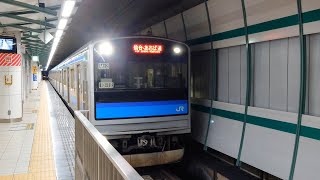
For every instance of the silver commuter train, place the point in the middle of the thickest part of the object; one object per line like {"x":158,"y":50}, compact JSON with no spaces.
{"x":136,"y":90}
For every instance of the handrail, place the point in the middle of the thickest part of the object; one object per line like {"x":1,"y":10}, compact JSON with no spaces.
{"x":96,"y":158}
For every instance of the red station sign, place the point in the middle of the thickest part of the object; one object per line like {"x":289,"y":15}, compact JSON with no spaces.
{"x":147,"y":48}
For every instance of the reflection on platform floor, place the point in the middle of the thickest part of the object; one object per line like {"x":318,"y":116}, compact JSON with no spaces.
{"x":41,"y":146}
{"x":62,"y":124}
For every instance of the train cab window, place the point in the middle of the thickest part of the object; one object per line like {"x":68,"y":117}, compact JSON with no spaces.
{"x":127,"y":76}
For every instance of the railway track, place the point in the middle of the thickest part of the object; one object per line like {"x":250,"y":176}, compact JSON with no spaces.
{"x":158,"y":173}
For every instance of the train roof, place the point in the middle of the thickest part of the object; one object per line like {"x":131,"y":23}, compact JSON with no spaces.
{"x":85,"y":47}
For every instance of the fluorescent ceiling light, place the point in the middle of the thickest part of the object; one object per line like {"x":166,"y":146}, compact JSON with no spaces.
{"x":56,"y":39}
{"x":35,"y":58}
{"x":67,"y":8}
{"x":54,"y":45}
{"x":66,"y":12}
{"x":62,"y":23}
{"x":58,"y":33}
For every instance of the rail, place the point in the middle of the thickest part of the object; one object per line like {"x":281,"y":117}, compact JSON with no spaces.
{"x":96,"y":158}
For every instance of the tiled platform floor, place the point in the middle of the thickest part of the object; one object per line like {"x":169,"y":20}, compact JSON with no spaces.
{"x":16,"y":139}
{"x":41,"y":146}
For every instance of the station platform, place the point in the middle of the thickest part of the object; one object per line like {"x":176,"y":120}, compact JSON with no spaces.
{"x":41,"y":146}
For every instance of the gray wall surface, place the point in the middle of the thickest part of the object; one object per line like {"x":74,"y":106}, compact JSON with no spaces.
{"x":276,"y":74}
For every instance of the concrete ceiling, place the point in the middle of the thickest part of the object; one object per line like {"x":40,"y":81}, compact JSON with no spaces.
{"x":96,"y":19}
{"x":93,"y":20}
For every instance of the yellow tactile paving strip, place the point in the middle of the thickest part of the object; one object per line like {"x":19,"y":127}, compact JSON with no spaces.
{"x":41,"y":166}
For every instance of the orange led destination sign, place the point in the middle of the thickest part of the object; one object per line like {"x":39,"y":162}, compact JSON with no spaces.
{"x":147,"y":48}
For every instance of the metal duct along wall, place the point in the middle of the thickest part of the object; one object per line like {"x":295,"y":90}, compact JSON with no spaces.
{"x":273,"y":30}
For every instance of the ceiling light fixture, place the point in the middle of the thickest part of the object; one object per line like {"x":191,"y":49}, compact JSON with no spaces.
{"x":62,"y":23}
{"x":59,"y":33}
{"x":67,"y":8}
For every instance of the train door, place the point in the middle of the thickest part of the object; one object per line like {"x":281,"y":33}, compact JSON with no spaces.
{"x":56,"y":79}
{"x":62,"y":80}
{"x":85,"y":89}
{"x":68,"y":85}
{"x":59,"y":88}
{"x":63,"y":83}
{"x":78,"y":86}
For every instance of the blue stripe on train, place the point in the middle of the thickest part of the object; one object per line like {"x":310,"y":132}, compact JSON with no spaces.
{"x":140,"y":109}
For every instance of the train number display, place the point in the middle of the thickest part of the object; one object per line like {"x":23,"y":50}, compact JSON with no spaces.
{"x":103,"y":66}
{"x":106,"y":85}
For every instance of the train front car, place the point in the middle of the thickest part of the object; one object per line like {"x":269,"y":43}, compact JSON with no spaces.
{"x":141,"y":97}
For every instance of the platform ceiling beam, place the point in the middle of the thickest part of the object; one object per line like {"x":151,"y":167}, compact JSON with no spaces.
{"x":57,"y":7}
{"x":29,"y":36}
{"x":30,"y":40}
{"x":14,"y":24}
{"x":37,"y":46}
{"x":27,"y":23}
{"x":38,"y":50}
{"x":25,"y":28}
{"x":29,"y":6}
{"x":28,"y":20}
{"x":32,"y":46}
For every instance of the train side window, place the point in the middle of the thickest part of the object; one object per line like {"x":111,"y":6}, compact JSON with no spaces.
{"x":72,"y":78}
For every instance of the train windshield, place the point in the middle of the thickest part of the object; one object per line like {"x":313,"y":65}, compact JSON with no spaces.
{"x":139,"y":77}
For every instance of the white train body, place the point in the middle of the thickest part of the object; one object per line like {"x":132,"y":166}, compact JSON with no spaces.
{"x":135,"y":89}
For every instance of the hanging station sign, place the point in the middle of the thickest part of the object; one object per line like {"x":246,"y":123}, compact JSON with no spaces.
{"x":147,"y":48}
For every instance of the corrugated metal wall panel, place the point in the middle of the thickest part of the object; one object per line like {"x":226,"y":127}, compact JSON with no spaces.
{"x":234,"y":75}
{"x":279,"y":74}
{"x":223,"y":75}
{"x":202,"y":77}
{"x":314,"y":75}
{"x":293,"y":74}
{"x":243,"y":73}
{"x":261,"y":75}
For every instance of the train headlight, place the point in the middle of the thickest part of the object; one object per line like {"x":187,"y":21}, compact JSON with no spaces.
{"x":177,"y":50}
{"x":105,"y":48}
